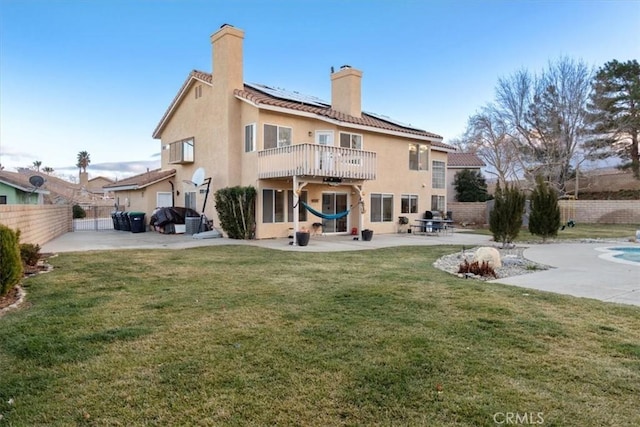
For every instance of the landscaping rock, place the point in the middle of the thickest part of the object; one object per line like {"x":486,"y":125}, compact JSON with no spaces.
{"x":490,"y":255}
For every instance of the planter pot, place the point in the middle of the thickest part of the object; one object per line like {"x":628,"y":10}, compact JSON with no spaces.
{"x":302,"y":238}
{"x":367,"y":235}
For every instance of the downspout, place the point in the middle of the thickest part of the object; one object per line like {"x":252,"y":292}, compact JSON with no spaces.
{"x":173,"y":202}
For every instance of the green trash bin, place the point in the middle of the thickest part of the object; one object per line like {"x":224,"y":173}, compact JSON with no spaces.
{"x":137,"y":222}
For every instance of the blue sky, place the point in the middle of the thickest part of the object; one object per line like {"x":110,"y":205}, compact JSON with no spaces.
{"x":97,"y":75}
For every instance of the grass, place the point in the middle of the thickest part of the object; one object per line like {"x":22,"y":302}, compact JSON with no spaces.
{"x":240,"y":335}
{"x":580,"y":231}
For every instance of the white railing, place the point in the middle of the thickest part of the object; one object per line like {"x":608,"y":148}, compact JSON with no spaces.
{"x":316,"y":160}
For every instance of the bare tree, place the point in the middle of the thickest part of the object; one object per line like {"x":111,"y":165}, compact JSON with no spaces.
{"x":48,"y":170}
{"x":488,"y":136}
{"x":547,"y":117}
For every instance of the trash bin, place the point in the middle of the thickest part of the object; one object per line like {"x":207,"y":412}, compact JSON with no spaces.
{"x":116,"y":224}
{"x":192,"y":225}
{"x":137,"y":222}
{"x":125,"y":225}
{"x":367,"y":234}
{"x":120,"y":220}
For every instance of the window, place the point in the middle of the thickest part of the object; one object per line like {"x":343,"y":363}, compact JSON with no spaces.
{"x":181,"y":151}
{"x":437,"y":203}
{"x":250,"y":138}
{"x":438,"y":174}
{"x":276,"y":136}
{"x":418,"y":157}
{"x":3,"y":200}
{"x":351,"y":140}
{"x":190,"y":200}
{"x":381,"y":207}
{"x":273,"y":206}
{"x":409,"y":203}
{"x":302,"y":212}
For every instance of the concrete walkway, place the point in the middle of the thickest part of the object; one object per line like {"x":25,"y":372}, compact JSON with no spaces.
{"x":578,"y":268}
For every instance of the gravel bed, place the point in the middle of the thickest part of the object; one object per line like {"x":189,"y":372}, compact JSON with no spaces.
{"x":513,"y":261}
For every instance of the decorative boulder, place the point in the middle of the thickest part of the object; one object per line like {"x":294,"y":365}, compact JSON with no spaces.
{"x":490,"y":255}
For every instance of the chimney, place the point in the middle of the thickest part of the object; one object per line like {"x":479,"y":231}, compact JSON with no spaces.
{"x":227,"y":58}
{"x":346,"y":91}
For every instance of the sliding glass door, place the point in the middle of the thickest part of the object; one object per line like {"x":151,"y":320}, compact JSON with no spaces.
{"x":333,"y":203}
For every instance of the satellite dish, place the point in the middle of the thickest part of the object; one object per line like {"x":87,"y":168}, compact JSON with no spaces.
{"x":198,"y":177}
{"x":36,"y":180}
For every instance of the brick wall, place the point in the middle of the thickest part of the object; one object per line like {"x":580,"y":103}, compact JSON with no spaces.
{"x":585,"y":211}
{"x":38,"y":224}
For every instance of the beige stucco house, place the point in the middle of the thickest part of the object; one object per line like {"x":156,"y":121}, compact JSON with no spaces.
{"x":331,"y":155}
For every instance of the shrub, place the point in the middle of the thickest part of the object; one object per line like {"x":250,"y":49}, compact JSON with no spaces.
{"x":10,"y":262}
{"x":470,"y":186}
{"x":236,"y":211}
{"x":78,"y":212}
{"x":505,"y":219}
{"x":544,"y":219}
{"x":29,"y":253}
{"x":483,"y":270}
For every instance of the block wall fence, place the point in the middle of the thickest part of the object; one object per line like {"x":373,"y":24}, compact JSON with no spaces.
{"x":38,"y":224}
{"x":582,"y":211}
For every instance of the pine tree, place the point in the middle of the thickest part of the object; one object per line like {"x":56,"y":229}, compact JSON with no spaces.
{"x":470,"y":186}
{"x":544,"y":219}
{"x":505,"y":219}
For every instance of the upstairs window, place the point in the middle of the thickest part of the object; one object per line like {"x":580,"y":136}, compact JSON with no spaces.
{"x":276,"y":136}
{"x":181,"y":151}
{"x":438,"y":174}
{"x":351,"y":140}
{"x":250,"y":138}
{"x":418,"y":157}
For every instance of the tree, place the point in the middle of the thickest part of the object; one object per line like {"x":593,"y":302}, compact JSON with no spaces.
{"x":47,"y":170}
{"x":544,"y":218}
{"x":83,"y":161}
{"x":236,"y":211}
{"x":547,"y":115}
{"x":614,"y":113}
{"x":470,"y":186}
{"x":505,"y":219}
{"x":37,"y":164}
{"x":487,"y":135}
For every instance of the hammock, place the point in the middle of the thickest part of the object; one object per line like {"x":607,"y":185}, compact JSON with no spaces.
{"x":324,"y":215}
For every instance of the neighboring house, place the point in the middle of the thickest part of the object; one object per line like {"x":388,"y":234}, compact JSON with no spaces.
{"x":333,"y":156}
{"x":457,"y":162}
{"x":146,"y":191}
{"x":15,"y":189}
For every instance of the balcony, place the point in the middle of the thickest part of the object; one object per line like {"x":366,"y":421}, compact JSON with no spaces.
{"x":317,"y":161}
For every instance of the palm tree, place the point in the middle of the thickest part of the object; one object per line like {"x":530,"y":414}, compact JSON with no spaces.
{"x":37,"y":165}
{"x":48,"y":170}
{"x":83,"y":160}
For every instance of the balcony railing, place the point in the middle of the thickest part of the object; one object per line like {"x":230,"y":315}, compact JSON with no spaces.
{"x":316,"y":160}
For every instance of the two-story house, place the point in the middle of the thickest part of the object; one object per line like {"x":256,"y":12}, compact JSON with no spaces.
{"x":330,"y":155}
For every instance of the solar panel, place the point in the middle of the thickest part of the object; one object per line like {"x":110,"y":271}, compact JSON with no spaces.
{"x":390,"y":120}
{"x":289,"y":96}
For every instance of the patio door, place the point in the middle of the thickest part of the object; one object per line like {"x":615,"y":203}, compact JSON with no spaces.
{"x":333,"y":203}
{"x":325,"y":160}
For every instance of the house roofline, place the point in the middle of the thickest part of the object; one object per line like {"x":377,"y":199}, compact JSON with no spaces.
{"x":193,"y":76}
{"x":115,"y":188}
{"x":290,"y":111}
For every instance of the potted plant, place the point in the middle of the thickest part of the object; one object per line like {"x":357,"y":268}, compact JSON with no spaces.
{"x":367,"y":234}
{"x":302,"y":236}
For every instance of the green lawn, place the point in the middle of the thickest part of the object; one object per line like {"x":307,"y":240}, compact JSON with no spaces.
{"x":580,"y":231}
{"x":240,"y":335}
